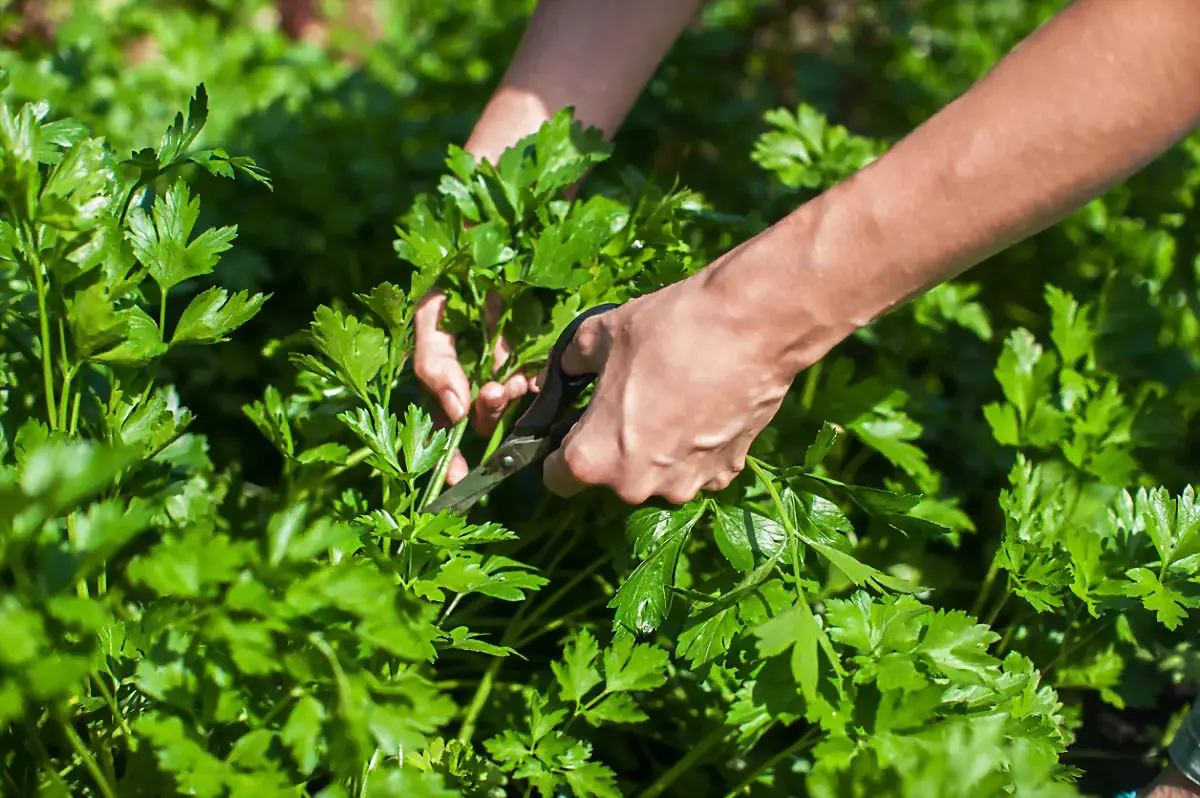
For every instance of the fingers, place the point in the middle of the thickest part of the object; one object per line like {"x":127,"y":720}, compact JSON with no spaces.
{"x":489,"y":406}
{"x":560,"y":476}
{"x":457,"y":470}
{"x":494,"y":399}
{"x":574,"y":466}
{"x":435,"y":361}
{"x":588,"y":350}
{"x":578,"y":465}
{"x":725,"y":478}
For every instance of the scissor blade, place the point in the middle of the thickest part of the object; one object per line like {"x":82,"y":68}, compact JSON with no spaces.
{"x":463,"y":496}
{"x":512,"y":455}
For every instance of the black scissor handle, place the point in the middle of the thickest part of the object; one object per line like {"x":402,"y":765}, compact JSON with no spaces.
{"x":560,"y":389}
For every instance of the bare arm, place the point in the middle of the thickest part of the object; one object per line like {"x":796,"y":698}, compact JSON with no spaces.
{"x":595,"y":55}
{"x":1089,"y":99}
{"x":1086,"y":101}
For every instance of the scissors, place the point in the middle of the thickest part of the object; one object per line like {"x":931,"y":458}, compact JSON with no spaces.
{"x":537,"y":432}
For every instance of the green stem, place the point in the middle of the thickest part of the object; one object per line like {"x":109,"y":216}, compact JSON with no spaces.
{"x":162,"y":314}
{"x":63,"y":401}
{"x":450,"y":608}
{"x":1068,"y":651}
{"x":106,"y":755}
{"x":823,"y":640}
{"x":44,"y":323}
{"x":354,"y":459}
{"x":986,"y":588}
{"x":68,"y":374}
{"x":514,"y":629}
{"x":467,"y":731}
{"x":812,"y":376}
{"x":443,"y":467}
{"x":851,"y":470}
{"x":367,"y":768}
{"x":1062,"y":646}
{"x":550,"y":601}
{"x":685,"y":764}
{"x":88,"y":760}
{"x":75,"y":413}
{"x":995,"y":613}
{"x":1011,"y":630}
{"x":501,"y":430}
{"x":110,"y":698}
{"x":81,"y":587}
{"x":804,"y":742}
{"x":560,"y":622}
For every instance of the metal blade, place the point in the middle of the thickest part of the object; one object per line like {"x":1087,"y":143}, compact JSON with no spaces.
{"x":463,"y":496}
{"x":509,"y":458}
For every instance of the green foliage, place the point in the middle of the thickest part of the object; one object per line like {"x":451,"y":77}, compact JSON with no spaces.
{"x":967,"y":534}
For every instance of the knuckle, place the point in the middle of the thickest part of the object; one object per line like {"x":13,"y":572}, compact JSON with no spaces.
{"x":632,"y":494}
{"x":679,"y":496}
{"x":582,"y":463}
{"x":720,"y":482}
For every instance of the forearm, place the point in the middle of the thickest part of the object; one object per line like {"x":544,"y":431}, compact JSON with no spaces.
{"x":1086,"y":101}
{"x":594,"y":55}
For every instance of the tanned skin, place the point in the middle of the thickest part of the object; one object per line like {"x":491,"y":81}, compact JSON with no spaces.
{"x":1083,"y":103}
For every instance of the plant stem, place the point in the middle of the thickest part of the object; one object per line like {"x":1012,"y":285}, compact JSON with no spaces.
{"x":856,"y":462}
{"x":68,"y":374}
{"x":354,"y":459}
{"x":44,"y":324}
{"x":450,"y":608}
{"x":367,"y":768}
{"x":804,"y":742}
{"x":811,"y":377}
{"x":63,"y":400}
{"x":81,"y":587}
{"x":480,"y":698}
{"x":111,"y":699}
{"x":995,"y":613}
{"x":1078,"y":645}
{"x":484,"y":690}
{"x":986,"y":588}
{"x":439,"y":476}
{"x":592,"y":567}
{"x":75,"y":413}
{"x":502,"y":428}
{"x":88,"y":760}
{"x":693,"y":756}
{"x":162,"y":314}
{"x":1011,"y":630}
{"x":560,"y":621}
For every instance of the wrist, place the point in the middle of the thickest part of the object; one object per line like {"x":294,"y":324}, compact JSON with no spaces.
{"x":510,"y":115}
{"x":818,"y":275}
{"x":772,"y":290}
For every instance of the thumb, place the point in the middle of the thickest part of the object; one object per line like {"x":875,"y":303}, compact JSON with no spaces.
{"x":588,"y":350}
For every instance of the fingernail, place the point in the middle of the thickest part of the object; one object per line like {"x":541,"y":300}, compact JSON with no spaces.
{"x":453,"y":405}
{"x":493,"y":394}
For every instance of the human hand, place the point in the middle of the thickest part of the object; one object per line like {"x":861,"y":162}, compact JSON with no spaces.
{"x":1171,"y":784}
{"x":435,"y":363}
{"x":688,"y":377}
